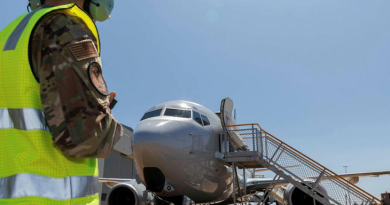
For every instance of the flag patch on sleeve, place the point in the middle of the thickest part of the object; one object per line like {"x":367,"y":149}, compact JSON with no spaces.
{"x":83,"y":50}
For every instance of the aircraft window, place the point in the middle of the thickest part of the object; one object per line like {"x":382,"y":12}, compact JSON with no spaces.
{"x":177,"y":113}
{"x":206,"y":120}
{"x":150,"y":114}
{"x":197,"y":118}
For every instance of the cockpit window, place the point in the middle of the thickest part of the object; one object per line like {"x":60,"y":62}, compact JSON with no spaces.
{"x":177,"y":113}
{"x":196,"y":117}
{"x":150,"y":114}
{"x":206,"y":120}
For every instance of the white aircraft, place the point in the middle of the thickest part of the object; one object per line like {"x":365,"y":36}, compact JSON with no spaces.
{"x":175,"y":149}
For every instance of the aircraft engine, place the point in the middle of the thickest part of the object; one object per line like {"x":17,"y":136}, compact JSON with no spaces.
{"x":128,"y":193}
{"x":353,"y":180}
{"x":295,"y":196}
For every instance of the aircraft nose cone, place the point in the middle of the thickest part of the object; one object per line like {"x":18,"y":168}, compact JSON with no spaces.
{"x":155,"y":144}
{"x":156,"y":132}
{"x":156,"y":139}
{"x":148,"y":140}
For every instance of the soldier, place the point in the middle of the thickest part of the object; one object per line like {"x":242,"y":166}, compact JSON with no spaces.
{"x":55,"y":118}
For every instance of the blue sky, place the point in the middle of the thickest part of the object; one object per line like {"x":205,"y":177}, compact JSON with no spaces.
{"x":314,"y":73}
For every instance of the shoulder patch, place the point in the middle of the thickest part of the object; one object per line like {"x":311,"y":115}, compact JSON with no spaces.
{"x":96,"y":77}
{"x":83,"y":50}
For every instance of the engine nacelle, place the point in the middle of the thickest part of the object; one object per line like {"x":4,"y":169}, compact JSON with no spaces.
{"x":353,"y":180}
{"x":295,"y":196}
{"x":128,"y":193}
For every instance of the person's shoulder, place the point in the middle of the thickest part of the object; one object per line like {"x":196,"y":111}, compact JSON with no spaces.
{"x":62,"y":21}
{"x":66,"y":28}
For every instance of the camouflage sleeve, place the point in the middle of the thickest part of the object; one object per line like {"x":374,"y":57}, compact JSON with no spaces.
{"x":74,"y":94}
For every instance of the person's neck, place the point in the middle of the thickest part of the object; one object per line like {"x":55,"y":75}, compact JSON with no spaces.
{"x":80,"y":3}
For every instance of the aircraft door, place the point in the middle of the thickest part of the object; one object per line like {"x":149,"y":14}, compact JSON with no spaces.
{"x":227,"y":118}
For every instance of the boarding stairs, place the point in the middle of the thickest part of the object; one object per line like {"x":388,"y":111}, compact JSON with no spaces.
{"x":264,"y":150}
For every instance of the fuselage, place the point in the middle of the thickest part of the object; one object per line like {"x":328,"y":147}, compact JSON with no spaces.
{"x":175,"y":146}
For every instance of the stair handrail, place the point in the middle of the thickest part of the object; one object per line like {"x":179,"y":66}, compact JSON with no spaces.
{"x":314,"y":163}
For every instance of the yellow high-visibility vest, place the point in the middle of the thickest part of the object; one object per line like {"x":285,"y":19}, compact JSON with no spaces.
{"x":33,"y":170}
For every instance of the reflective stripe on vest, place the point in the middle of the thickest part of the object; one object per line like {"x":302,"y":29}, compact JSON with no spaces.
{"x":25,"y":185}
{"x":14,"y":38}
{"x":23,"y":119}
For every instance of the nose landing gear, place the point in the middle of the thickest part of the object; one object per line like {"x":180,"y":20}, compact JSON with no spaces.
{"x":176,"y":200}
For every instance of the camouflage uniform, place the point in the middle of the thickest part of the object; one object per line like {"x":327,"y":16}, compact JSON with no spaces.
{"x":74,"y":95}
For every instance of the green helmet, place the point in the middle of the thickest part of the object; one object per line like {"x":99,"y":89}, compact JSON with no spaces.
{"x":99,"y":10}
{"x":34,"y":4}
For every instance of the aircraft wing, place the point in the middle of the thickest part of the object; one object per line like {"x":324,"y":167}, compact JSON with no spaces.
{"x":354,"y":177}
{"x":113,"y":180}
{"x":110,"y":182}
{"x":266,"y":169}
{"x":261,"y":184}
{"x":364,"y":174}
